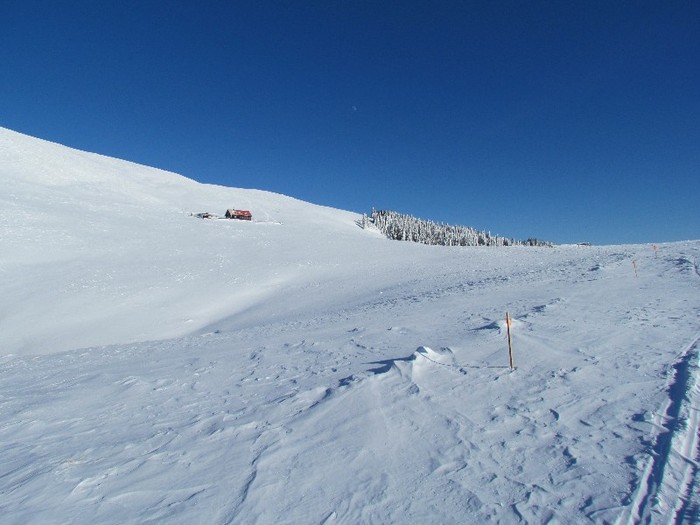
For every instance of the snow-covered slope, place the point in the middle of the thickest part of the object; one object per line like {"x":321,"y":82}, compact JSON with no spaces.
{"x":158,"y":368}
{"x":97,"y":250}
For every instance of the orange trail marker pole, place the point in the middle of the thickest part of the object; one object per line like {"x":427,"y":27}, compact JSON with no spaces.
{"x":510,"y":342}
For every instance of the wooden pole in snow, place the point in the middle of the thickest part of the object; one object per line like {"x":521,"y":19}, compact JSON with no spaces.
{"x":510,"y":342}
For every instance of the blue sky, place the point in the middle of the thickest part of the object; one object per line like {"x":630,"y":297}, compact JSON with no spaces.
{"x":569,"y":121}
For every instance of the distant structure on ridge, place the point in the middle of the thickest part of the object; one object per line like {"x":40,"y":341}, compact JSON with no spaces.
{"x":242,"y":215}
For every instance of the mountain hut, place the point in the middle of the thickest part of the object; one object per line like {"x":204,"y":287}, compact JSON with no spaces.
{"x":241,"y":215}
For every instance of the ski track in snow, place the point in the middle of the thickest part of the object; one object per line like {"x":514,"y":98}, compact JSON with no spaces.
{"x":680,"y":484}
{"x":668,"y":488}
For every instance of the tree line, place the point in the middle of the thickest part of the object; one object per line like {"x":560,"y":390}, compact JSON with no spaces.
{"x":402,"y":227}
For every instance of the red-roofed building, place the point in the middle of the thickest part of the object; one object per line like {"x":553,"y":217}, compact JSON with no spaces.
{"x":241,"y":215}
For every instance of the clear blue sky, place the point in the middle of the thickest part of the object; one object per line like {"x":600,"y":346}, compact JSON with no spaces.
{"x":568,"y":121}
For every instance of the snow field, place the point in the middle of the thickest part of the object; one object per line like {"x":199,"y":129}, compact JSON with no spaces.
{"x":345,"y":417}
{"x":160,"y":368}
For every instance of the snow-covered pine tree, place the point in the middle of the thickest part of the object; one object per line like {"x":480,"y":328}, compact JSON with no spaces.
{"x":402,"y":227}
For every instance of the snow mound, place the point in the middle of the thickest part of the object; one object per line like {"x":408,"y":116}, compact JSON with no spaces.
{"x":443,"y":356}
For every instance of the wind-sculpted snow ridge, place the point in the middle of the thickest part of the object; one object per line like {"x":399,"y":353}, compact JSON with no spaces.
{"x":402,"y":227}
{"x":157,"y":368}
